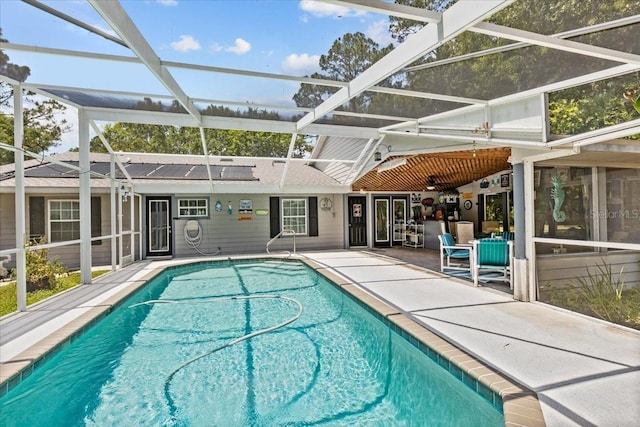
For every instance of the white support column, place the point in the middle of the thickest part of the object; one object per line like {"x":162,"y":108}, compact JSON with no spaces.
{"x":519,"y":267}
{"x":529,"y":208}
{"x":112,"y":203}
{"x":140,"y":227}
{"x":21,"y":262}
{"x":132,"y":236}
{"x":120,"y":237}
{"x":85,"y":200}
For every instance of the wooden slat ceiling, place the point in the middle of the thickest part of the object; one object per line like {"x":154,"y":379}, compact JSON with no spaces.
{"x":450,"y":170}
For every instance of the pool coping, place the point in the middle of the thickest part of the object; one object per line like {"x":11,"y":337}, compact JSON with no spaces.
{"x":520,"y":405}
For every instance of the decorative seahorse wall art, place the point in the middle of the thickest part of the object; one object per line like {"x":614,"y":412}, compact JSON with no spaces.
{"x":557,"y":193}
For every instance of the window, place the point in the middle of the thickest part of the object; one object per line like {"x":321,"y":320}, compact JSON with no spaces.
{"x":294,"y":215}
{"x":307,"y":205}
{"x":622,"y":212}
{"x":563,"y":203}
{"x":64,"y":220}
{"x":193,"y":208}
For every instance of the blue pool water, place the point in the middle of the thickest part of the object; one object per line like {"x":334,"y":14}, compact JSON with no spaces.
{"x":335,"y":365}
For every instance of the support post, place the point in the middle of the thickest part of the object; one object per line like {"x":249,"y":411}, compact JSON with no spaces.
{"x":85,"y":199}
{"x":132,"y":219}
{"x":519,"y":267}
{"x":20,"y":205}
{"x":530,"y":222}
{"x":140,"y":227}
{"x":112,"y":203}
{"x":120,"y":236}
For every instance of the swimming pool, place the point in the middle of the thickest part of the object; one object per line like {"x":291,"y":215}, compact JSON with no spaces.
{"x":336,"y":364}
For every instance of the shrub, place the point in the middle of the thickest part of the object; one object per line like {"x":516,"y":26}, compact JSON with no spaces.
{"x":42,"y":272}
{"x":601,"y":294}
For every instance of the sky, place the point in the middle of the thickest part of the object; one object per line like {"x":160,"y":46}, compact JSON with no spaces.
{"x":274,"y":36}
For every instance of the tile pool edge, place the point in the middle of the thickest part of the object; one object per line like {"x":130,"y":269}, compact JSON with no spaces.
{"x":13,"y":371}
{"x":520,"y":406}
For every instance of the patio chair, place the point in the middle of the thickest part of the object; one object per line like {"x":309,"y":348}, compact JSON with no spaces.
{"x":462,"y":255}
{"x":492,"y":256}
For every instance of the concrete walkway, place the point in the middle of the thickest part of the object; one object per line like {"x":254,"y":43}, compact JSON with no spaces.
{"x":586,"y":372}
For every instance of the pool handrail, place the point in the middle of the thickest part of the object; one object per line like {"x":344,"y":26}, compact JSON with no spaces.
{"x":280,"y":234}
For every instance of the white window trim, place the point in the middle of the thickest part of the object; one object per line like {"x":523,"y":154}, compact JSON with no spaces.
{"x":49,"y":220}
{"x":190,"y":214}
{"x":306,"y":214}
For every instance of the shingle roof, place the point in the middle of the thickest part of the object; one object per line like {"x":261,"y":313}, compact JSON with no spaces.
{"x":171,"y":169}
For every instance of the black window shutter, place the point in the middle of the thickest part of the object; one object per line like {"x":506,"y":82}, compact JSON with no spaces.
{"x":36,"y":218}
{"x":274,"y":215}
{"x":96,"y":219}
{"x":480,"y":211}
{"x":313,"y":216}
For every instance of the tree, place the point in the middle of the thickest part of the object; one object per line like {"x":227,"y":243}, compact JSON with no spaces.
{"x":347,"y":58}
{"x":42,"y":128}
{"x":588,"y":107}
{"x":183,"y":140}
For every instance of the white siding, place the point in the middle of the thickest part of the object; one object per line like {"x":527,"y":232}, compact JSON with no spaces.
{"x":562,"y":270}
{"x":8,"y":226}
{"x":68,"y":255}
{"x":234,"y":236}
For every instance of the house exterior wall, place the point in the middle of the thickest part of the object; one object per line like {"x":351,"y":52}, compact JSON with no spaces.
{"x":68,"y":255}
{"x":234,"y":235}
{"x":559,"y":271}
{"x":7,"y":227}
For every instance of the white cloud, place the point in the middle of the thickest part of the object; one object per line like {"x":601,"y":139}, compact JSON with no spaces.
{"x":240,"y":47}
{"x":168,"y":2}
{"x":323,"y":10}
{"x":301,"y":64}
{"x":185,"y":44}
{"x":379,"y":32}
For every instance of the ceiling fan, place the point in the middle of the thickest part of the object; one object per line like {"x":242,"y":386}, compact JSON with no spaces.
{"x":433,"y":184}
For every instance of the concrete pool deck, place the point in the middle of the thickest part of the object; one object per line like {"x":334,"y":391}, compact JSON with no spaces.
{"x":585,"y":372}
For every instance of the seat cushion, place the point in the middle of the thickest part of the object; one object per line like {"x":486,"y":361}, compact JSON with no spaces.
{"x":459,"y":253}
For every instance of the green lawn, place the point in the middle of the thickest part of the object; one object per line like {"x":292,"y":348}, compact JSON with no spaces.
{"x":8,"y":297}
